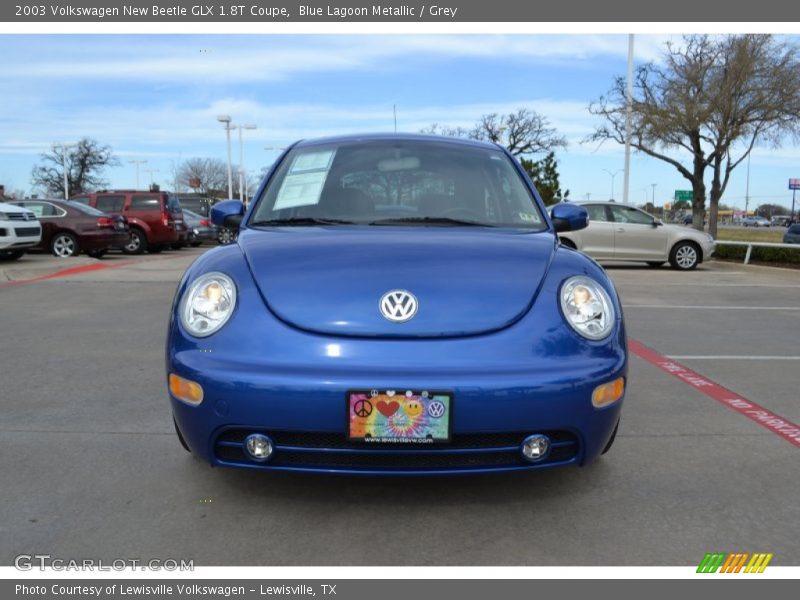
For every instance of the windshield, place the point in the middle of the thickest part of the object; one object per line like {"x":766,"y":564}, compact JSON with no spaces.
{"x":397,"y":183}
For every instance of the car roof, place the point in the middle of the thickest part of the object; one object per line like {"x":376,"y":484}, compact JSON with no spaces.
{"x":404,"y":137}
{"x":6,"y":206}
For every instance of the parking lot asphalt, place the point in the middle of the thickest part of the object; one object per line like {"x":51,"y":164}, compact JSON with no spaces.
{"x":91,"y":467}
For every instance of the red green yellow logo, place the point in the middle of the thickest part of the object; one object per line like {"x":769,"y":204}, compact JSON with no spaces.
{"x":735,"y":562}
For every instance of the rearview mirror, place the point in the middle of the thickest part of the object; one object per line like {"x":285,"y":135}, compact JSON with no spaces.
{"x":569,"y":217}
{"x":227,"y":213}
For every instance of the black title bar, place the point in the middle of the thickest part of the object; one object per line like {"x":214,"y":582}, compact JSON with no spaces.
{"x":462,"y":11}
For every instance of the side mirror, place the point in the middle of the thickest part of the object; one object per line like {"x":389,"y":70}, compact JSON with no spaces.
{"x":228,"y":213}
{"x":569,"y":217}
{"x":657,"y":222}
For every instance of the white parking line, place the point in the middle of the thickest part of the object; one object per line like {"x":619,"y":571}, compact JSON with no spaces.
{"x":729,"y":357}
{"x":703,"y":307}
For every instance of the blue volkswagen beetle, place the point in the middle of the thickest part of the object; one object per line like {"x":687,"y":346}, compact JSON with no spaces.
{"x":396,"y":304}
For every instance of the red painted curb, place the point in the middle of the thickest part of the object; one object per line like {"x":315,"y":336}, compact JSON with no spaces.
{"x":765,"y":418}
{"x":65,"y":273}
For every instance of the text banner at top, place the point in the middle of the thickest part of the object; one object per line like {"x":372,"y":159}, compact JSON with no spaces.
{"x":464,"y":11}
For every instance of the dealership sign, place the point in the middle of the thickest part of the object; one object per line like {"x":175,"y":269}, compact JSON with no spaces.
{"x":794,"y":184}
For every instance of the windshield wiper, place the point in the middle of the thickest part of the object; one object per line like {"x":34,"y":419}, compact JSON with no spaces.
{"x":429,"y":221}
{"x":299,"y":222}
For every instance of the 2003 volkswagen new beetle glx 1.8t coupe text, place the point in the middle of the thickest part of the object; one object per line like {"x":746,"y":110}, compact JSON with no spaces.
{"x":396,"y":304}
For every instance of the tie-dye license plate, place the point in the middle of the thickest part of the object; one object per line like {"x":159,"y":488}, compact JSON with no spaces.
{"x":399,"y":416}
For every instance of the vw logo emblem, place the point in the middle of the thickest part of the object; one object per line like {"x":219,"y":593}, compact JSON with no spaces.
{"x":436,"y":409}
{"x":398,"y":306}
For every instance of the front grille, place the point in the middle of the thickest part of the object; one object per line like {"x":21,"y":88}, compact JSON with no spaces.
{"x":18,"y":216}
{"x":333,"y":451}
{"x":26,"y":231}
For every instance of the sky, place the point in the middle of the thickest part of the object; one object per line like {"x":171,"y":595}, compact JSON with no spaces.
{"x":156,"y":98}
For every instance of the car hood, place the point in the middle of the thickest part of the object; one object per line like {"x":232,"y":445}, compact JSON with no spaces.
{"x":331,"y":280}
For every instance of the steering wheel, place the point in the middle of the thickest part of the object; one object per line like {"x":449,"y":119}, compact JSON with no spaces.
{"x":463,"y":211}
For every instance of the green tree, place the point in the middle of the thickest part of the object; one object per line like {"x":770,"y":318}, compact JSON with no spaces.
{"x":522,"y":132}
{"x":705,"y":106}
{"x":544,"y":174}
{"x":84,"y":163}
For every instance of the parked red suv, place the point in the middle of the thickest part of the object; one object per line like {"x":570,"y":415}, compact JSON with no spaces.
{"x":155,"y":218}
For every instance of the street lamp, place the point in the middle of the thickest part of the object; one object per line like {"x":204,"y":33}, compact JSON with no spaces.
{"x":137,"y":163}
{"x":64,"y":148}
{"x":242,"y":194}
{"x":226,"y":121}
{"x":654,"y":193}
{"x":613,"y":175}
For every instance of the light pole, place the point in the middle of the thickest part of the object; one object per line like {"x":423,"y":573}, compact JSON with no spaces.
{"x":747,"y":190}
{"x":137,"y":163}
{"x":628,"y":118}
{"x":653,"y":185}
{"x":64,"y":148}
{"x":613,"y":175}
{"x":242,"y":193}
{"x":226,"y":121}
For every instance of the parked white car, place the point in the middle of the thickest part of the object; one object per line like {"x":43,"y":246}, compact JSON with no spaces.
{"x":19,"y":229}
{"x":623,"y":232}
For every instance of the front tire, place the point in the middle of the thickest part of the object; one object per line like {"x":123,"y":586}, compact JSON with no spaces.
{"x":64,"y":245}
{"x":567,"y":243}
{"x":180,"y":436}
{"x":137,"y":243}
{"x":611,"y":440}
{"x":685,"y":256}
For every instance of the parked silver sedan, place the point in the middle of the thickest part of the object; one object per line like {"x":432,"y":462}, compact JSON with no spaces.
{"x":623,"y":232}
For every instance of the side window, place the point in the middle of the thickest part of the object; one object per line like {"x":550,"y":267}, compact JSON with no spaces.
{"x":597,"y":212}
{"x":110,"y":203}
{"x":145,"y":203}
{"x":36,"y":208}
{"x":51,"y":210}
{"x":626,"y":214}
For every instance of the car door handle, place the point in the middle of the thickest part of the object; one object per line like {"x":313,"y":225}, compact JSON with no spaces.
{"x":620,"y":229}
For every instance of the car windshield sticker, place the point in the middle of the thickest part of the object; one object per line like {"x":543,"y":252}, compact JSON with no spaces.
{"x":528,"y":217}
{"x":303,"y":184}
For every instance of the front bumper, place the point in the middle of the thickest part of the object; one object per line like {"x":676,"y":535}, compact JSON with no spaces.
{"x":16,"y":235}
{"x":303,"y":411}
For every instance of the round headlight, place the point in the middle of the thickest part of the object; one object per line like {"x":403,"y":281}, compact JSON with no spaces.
{"x":208,"y":304}
{"x":587,"y":307}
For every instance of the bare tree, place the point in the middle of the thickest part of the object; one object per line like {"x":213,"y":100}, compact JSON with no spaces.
{"x":84,"y":163}
{"x":207,"y":176}
{"x":522,"y":132}
{"x":711,"y":101}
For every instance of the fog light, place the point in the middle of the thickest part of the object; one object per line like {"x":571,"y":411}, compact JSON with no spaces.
{"x":608,"y":392}
{"x":258,"y":446}
{"x":536,"y":447}
{"x":184,"y":389}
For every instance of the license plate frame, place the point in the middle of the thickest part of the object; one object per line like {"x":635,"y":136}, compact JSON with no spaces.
{"x":389,"y":417}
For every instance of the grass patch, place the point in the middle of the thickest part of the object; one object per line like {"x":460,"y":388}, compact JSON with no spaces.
{"x":751,"y":234}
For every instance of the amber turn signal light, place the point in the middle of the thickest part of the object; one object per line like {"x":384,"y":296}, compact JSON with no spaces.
{"x":184,"y":389}
{"x":608,"y":392}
